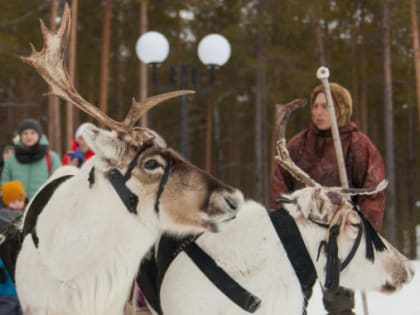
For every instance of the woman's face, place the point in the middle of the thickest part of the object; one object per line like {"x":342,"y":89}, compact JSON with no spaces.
{"x":29,"y":137}
{"x":319,"y":112}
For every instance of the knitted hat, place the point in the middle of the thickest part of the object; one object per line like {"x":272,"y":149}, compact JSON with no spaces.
{"x":11,"y":191}
{"x":30,"y":124}
{"x":82,"y":128}
{"x":343,"y":103}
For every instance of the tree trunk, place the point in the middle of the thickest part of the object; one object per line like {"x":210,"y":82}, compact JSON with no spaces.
{"x":218,"y":143}
{"x":119,"y":66}
{"x":54,"y":126}
{"x":72,"y":71}
{"x":319,"y":35}
{"x":354,"y":63}
{"x":411,"y":181}
{"x":390,"y":213}
{"x":209,"y":138}
{"x":106,"y":36}
{"x":416,"y":52}
{"x":261,"y":172}
{"x":363,"y":74}
{"x":143,"y":67}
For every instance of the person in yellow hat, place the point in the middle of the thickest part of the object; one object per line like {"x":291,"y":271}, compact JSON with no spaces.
{"x":13,"y":198}
{"x":13,"y":195}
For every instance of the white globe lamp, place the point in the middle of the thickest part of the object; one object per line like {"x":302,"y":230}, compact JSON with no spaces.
{"x":152,"y":47}
{"x":214,"y":50}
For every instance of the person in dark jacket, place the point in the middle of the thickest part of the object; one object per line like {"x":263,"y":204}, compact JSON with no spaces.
{"x":312,"y":150}
{"x":32,"y":162}
{"x":13,"y":199}
{"x":7,"y":151}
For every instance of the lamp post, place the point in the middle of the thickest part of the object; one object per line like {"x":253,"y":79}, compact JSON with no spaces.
{"x":152,"y":48}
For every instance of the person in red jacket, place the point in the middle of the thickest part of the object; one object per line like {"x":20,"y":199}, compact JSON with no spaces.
{"x":80,"y":151}
{"x":312,"y":149}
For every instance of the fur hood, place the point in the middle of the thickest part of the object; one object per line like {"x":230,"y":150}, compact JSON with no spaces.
{"x":343,"y":103}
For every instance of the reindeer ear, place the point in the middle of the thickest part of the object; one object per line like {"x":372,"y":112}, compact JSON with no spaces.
{"x":103,"y":142}
{"x":90,"y":135}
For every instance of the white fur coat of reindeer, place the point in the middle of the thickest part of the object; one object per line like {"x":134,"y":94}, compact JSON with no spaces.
{"x":250,"y":251}
{"x":82,"y":252}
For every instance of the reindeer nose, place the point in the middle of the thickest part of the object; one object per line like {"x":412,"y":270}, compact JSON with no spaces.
{"x":411,"y":272}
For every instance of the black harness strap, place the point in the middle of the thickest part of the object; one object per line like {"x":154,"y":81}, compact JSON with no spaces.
{"x":152,"y":273}
{"x":147,"y":279}
{"x":129,"y":199}
{"x":37,"y":205}
{"x":225,"y":283}
{"x":334,"y":267}
{"x":118,"y":181}
{"x":353,"y":250}
{"x":295,"y":248}
{"x":163,"y":180}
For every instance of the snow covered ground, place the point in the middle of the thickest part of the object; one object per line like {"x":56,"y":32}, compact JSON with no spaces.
{"x":404,"y":302}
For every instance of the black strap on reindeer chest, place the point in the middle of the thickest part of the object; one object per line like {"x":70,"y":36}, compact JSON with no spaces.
{"x":295,"y":248}
{"x":152,"y":272}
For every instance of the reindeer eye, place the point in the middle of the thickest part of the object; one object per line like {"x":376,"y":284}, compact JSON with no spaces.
{"x":151,"y":164}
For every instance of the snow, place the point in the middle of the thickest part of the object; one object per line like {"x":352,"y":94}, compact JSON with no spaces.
{"x":406,"y":301}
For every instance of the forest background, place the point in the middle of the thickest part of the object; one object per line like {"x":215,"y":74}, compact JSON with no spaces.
{"x":370,"y":46}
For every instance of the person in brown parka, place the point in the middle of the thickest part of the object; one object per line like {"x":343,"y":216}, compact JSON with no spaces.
{"x":312,"y":149}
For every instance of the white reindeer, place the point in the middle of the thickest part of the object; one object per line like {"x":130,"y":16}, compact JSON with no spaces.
{"x":84,"y":238}
{"x":250,"y":251}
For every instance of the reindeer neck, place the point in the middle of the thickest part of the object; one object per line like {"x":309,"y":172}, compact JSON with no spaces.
{"x":312,"y":236}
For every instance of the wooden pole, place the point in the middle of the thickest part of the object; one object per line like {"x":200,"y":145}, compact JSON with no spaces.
{"x":323,"y":74}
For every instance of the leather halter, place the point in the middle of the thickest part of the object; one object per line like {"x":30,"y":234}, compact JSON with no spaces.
{"x":334,"y":267}
{"x":118,"y":181}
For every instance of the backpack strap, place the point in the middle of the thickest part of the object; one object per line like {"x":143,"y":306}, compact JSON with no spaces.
{"x":48,"y":161}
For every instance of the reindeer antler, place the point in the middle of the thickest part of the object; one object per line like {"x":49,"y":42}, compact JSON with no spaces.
{"x":364,"y":191}
{"x":49,"y":63}
{"x":282,"y":156}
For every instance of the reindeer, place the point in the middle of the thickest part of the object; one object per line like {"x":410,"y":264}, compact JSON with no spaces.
{"x":273,"y":258}
{"x":86,"y":231}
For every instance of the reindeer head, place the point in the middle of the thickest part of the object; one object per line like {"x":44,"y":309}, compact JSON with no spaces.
{"x":137,"y":161}
{"x":351,"y":253}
